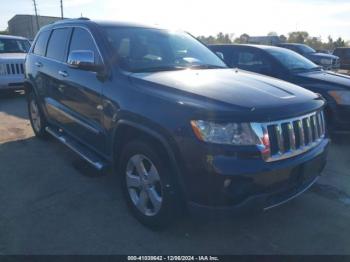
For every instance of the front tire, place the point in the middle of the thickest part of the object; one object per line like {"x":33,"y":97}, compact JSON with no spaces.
{"x":148,"y":185}
{"x":36,"y":117}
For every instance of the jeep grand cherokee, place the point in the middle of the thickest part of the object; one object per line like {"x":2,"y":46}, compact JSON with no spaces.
{"x":178,"y":127}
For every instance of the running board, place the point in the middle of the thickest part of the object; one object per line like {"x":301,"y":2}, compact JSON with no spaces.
{"x":85,"y":153}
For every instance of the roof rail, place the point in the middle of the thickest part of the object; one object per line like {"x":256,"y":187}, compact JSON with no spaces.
{"x":70,"y":19}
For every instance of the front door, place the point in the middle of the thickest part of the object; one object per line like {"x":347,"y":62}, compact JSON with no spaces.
{"x":81,"y":95}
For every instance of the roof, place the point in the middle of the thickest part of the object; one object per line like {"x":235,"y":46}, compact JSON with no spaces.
{"x":249,"y":45}
{"x":291,"y":44}
{"x":13,"y":37}
{"x":87,"y":21}
{"x":262,"y":47}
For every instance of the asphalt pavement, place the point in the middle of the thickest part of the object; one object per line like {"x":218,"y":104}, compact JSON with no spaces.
{"x":51,"y":202}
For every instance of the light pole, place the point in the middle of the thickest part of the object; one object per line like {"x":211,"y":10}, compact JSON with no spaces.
{"x":36,"y":15}
{"x":61,"y":1}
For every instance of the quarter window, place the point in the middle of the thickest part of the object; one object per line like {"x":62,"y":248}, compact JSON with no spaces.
{"x":57,"y":44}
{"x":40,"y":45}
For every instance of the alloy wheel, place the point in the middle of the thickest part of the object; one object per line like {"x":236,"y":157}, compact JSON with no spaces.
{"x":35,"y":115}
{"x":143,"y":184}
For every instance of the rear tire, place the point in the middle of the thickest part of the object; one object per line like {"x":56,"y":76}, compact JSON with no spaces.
{"x":149,"y":185}
{"x":36,"y":116}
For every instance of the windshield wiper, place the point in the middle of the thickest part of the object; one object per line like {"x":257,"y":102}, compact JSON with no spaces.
{"x":10,"y":52}
{"x":206,"y":66}
{"x":173,"y":68}
{"x":316,"y":68}
{"x":302,"y":69}
{"x":158,"y":69}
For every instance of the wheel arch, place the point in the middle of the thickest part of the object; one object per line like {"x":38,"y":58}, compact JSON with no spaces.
{"x":126,"y":131}
{"x":29,"y":87}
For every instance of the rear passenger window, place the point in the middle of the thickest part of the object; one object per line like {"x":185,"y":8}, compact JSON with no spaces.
{"x":57,"y":44}
{"x":40,"y":45}
{"x":82,"y":40}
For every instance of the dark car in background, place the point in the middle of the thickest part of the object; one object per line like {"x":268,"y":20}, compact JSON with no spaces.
{"x":327,"y":61}
{"x":344,"y":56}
{"x":289,"y":66}
{"x":172,"y":120}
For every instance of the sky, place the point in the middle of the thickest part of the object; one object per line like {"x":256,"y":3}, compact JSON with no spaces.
{"x":203,"y":17}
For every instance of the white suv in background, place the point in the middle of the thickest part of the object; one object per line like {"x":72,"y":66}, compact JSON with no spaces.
{"x":13,"y":50}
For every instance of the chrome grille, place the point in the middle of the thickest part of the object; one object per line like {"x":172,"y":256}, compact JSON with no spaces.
{"x":12,"y":69}
{"x":290,"y":137}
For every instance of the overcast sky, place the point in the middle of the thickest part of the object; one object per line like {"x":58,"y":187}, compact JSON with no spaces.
{"x":204,"y":17}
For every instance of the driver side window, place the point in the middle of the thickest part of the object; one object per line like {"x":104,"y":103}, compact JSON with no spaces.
{"x":82,"y":40}
{"x":253,"y":61}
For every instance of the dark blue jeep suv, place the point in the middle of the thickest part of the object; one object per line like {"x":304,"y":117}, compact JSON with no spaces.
{"x":165,"y":113}
{"x":327,"y":61}
{"x":292,"y":67}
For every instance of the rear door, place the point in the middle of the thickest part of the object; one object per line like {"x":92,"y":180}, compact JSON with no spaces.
{"x":52,"y":66}
{"x":35,"y":61}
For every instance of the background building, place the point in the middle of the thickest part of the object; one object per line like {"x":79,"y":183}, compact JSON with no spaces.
{"x":26,"y":26}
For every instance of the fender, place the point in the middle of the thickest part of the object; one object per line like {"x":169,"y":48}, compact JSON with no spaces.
{"x":160,"y":138}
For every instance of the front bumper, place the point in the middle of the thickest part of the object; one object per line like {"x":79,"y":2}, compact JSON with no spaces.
{"x":234,"y":185}
{"x":256,"y":203}
{"x":11,"y":82}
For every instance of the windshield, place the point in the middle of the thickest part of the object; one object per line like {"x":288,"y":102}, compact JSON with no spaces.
{"x":292,"y":61}
{"x":14,"y":46}
{"x":151,"y":50}
{"x":305,"y":49}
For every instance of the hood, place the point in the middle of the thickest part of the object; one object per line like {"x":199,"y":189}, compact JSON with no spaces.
{"x":322,"y":56}
{"x":230,"y":86}
{"x":12,"y":56}
{"x":328,"y":78}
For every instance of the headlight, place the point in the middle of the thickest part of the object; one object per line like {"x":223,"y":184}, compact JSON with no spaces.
{"x":342,"y":97}
{"x":3,"y":70}
{"x":325,"y":61}
{"x":225,"y":133}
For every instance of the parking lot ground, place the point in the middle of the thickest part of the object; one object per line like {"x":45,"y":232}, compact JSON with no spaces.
{"x":50,"y":204}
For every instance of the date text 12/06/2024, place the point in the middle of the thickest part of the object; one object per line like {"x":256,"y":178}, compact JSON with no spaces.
{"x":173,"y":258}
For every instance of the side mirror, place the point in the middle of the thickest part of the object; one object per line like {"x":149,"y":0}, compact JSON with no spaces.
{"x":84,"y":60}
{"x":219,"y":54}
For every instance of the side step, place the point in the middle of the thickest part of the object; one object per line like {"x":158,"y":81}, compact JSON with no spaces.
{"x":88,"y":155}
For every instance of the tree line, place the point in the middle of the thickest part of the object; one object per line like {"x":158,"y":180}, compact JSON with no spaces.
{"x":301,"y":37}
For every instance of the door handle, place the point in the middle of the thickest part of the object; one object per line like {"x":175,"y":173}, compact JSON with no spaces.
{"x":38,"y":64}
{"x":63,"y":73}
{"x":61,"y":89}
